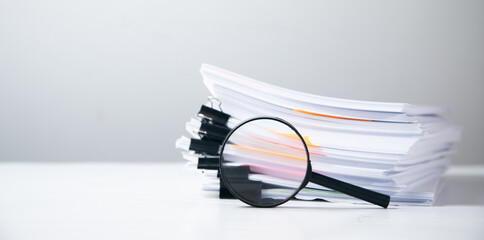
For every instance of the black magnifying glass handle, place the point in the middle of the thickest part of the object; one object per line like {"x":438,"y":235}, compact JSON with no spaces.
{"x":379,"y":199}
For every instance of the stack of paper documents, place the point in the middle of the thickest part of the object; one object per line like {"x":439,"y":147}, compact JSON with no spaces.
{"x":394,"y":148}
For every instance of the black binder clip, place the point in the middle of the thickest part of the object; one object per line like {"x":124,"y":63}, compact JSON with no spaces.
{"x":211,"y":115}
{"x":208,"y":162}
{"x":224,"y":192}
{"x":240,"y":176}
{"x":211,"y":132}
{"x":202,"y":146}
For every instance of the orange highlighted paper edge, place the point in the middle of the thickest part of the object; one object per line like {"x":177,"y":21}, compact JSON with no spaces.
{"x":330,"y":116}
{"x":286,"y":145}
{"x":295,"y":136}
{"x":267,"y":152}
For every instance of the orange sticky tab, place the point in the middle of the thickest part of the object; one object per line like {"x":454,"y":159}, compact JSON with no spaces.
{"x":267,"y":152}
{"x":330,"y":116}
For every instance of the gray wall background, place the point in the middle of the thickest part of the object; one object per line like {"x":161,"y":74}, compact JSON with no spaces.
{"x":116,"y":80}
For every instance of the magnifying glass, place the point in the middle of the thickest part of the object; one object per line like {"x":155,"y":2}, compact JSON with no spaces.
{"x":265,"y":162}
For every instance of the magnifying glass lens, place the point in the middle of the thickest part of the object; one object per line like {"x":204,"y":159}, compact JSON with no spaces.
{"x":264,"y":162}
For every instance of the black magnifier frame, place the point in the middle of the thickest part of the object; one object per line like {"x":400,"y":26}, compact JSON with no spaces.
{"x":370,"y":196}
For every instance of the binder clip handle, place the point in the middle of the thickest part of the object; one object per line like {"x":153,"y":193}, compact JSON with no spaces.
{"x":213,"y":99}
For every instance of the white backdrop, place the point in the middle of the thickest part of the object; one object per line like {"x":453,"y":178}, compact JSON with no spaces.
{"x":116,"y":80}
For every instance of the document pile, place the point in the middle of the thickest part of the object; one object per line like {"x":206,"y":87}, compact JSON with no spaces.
{"x":393,"y":148}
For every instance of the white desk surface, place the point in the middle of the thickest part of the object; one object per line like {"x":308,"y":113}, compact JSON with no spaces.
{"x":164,"y":201}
